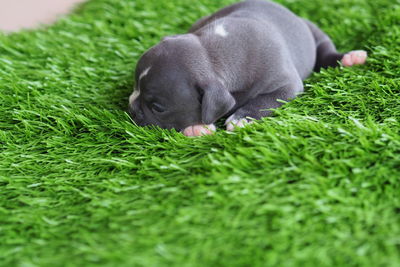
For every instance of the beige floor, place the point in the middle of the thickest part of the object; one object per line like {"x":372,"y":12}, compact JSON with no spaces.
{"x":18,"y":14}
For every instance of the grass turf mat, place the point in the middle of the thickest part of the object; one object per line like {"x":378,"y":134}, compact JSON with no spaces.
{"x":315,"y":185}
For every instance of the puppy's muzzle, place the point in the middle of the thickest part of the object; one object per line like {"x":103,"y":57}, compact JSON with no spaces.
{"x":136,"y":113}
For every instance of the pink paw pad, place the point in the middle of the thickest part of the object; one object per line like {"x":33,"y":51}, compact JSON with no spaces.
{"x":357,"y":57}
{"x":199,"y":130}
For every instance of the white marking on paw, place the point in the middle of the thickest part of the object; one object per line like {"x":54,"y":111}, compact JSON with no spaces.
{"x":220,"y":30}
{"x":357,"y":57}
{"x":199,"y":130}
{"x":134,"y":96}
{"x":144,"y":73}
{"x":232,"y":122}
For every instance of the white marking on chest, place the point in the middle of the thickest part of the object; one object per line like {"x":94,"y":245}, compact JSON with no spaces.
{"x":220,"y":30}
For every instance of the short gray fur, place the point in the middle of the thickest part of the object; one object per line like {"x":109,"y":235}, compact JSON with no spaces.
{"x":263,"y":54}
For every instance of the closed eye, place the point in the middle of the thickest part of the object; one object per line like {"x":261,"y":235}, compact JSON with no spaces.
{"x":156,"y":107}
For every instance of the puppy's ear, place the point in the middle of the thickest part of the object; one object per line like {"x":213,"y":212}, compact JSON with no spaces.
{"x":217,"y":101}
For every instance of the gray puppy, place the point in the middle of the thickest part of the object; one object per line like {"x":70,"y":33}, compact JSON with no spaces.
{"x":237,"y":62}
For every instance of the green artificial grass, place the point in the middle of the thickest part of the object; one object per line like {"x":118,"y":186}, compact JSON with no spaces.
{"x":318,"y":184}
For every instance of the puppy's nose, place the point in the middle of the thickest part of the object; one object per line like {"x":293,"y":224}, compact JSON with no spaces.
{"x":136,"y":114}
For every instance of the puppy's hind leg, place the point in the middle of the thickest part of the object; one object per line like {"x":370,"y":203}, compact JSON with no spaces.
{"x":261,"y":105}
{"x":328,"y":56}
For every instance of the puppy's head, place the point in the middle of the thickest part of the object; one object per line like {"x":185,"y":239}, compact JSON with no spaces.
{"x":175,"y":87}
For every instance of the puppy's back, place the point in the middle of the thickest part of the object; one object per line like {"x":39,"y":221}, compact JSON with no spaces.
{"x":278,"y":26}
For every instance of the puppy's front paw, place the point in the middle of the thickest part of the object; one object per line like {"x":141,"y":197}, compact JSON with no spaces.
{"x":232,"y":122}
{"x":199,"y":130}
{"x":357,"y":57}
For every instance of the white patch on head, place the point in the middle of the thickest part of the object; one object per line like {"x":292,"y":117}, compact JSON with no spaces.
{"x":134,"y":96}
{"x":136,"y":92}
{"x":144,"y":73}
{"x":220,"y":30}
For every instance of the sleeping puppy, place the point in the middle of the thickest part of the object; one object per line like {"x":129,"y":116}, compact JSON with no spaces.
{"x":236,"y":63}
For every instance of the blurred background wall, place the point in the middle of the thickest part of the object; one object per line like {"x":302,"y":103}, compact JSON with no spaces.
{"x":18,"y":14}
